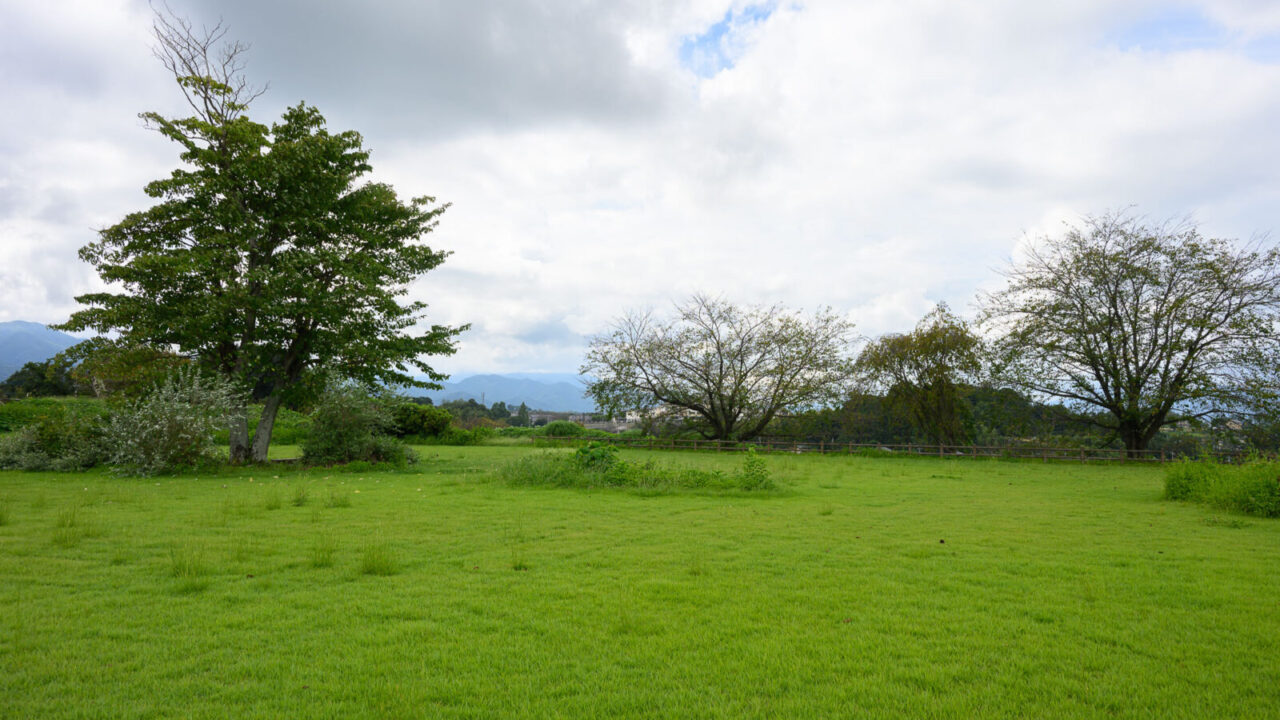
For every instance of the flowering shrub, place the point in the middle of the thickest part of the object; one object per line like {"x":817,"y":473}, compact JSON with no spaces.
{"x":173,"y":426}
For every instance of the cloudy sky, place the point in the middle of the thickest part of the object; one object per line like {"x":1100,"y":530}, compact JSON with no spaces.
{"x":874,"y":156}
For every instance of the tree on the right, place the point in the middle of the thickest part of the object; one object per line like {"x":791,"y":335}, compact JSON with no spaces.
{"x":1138,"y":325}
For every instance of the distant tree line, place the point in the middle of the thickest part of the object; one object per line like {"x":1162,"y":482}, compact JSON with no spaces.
{"x":1116,"y":333}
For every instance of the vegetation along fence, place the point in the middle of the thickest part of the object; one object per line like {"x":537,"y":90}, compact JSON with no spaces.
{"x":1025,"y":452}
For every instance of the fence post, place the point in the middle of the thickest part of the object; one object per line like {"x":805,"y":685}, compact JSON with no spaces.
{"x":939,"y":449}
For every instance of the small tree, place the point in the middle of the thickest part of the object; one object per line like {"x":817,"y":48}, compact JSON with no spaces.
{"x":924,"y":372}
{"x":1150,"y":324}
{"x":499,"y":411}
{"x":266,"y":256}
{"x":734,"y":368}
{"x":522,"y":418}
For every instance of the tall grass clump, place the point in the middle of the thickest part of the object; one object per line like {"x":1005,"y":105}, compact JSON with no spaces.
{"x":189,"y":567}
{"x":379,"y":559}
{"x":1252,"y":488}
{"x":173,"y":427}
{"x":598,"y":465}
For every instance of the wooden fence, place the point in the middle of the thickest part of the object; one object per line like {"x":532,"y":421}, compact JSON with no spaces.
{"x":1023,"y":452}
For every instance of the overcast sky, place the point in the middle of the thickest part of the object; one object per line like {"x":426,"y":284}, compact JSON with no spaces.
{"x":876,"y":157}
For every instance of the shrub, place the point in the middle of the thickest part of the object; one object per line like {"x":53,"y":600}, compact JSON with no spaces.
{"x":562,"y":428}
{"x":58,"y":436}
{"x":351,"y":424}
{"x":596,"y":456}
{"x":455,"y":435}
{"x":754,"y":474}
{"x":1253,"y":488}
{"x":173,"y":427}
{"x":419,"y":420}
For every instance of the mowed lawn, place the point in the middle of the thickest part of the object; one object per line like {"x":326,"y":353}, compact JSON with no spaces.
{"x":865,"y":587}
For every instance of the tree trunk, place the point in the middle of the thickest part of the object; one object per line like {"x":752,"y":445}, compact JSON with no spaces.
{"x":1134,"y":442}
{"x":262,"y":435}
{"x":239,"y":432}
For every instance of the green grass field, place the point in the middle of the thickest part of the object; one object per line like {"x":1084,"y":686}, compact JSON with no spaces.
{"x":865,"y":587}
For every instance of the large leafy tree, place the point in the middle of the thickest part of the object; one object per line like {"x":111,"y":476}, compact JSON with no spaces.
{"x":925,"y":372}
{"x":1138,"y":326}
{"x":733,"y":369}
{"x":266,"y":257}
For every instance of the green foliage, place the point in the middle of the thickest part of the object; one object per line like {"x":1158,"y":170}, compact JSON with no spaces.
{"x":1140,"y":326}
{"x":518,"y":432}
{"x":924,"y":372}
{"x":350,"y":424}
{"x":563,"y":428}
{"x":290,"y":428}
{"x":413,"y":419}
{"x":454,"y":435}
{"x":119,"y":367}
{"x":499,"y":411}
{"x":599,"y":466}
{"x":1252,"y":488}
{"x":521,"y":418}
{"x":268,"y":254}
{"x":174,"y":426}
{"x":54,"y":435}
{"x":755,"y":472}
{"x":17,"y":414}
{"x":596,"y":456}
{"x":39,"y":379}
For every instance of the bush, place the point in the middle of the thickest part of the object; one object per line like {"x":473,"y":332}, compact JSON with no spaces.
{"x":1253,"y":488}
{"x":349,"y":424}
{"x":562,"y":428}
{"x":596,"y":457}
{"x":411,"y":419}
{"x":56,"y":436}
{"x":173,"y":427}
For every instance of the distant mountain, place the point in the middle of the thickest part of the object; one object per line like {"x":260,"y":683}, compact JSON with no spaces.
{"x":22,"y":342}
{"x":560,"y":392}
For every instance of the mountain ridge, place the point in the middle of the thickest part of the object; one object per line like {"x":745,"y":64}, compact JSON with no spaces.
{"x":23,"y":341}
{"x":513,"y":389}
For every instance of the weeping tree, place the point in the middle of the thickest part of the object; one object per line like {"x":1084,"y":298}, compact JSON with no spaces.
{"x":1149,"y":324}
{"x":266,"y":256}
{"x":730,"y":369}
{"x":924,"y":373}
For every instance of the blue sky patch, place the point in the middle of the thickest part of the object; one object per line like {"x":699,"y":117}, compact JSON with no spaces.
{"x":719,"y":46}
{"x":1173,"y":29}
{"x":1180,"y":28}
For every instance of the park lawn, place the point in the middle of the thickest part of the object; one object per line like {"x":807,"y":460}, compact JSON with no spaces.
{"x":864,"y":587}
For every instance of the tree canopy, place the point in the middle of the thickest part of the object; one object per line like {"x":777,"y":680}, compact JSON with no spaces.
{"x":267,"y":256}
{"x":925,"y":372}
{"x":1151,"y":324}
{"x":733,"y":368}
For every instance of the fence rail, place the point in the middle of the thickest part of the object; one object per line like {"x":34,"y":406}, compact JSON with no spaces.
{"x":1025,"y":452}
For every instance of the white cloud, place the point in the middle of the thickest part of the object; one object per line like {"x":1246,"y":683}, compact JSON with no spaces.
{"x":876,"y":157}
